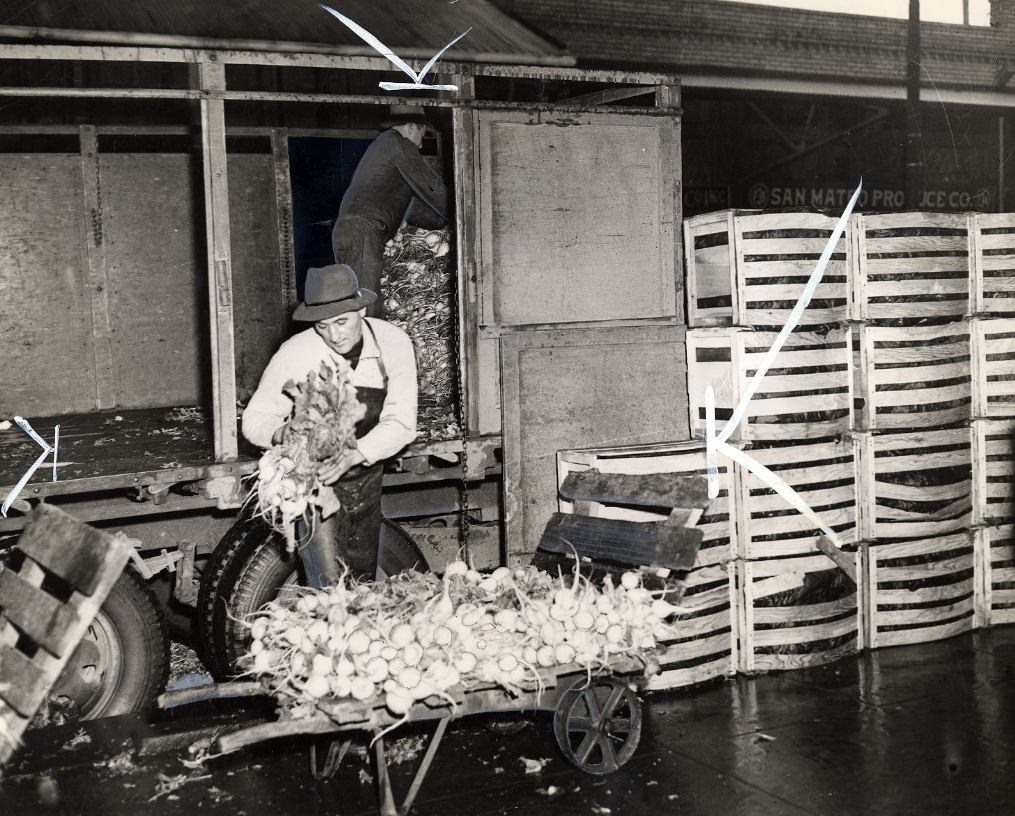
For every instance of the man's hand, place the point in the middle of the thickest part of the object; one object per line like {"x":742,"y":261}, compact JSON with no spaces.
{"x":333,"y":469}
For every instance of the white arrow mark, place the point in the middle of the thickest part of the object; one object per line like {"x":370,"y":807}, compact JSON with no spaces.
{"x":46,"y":451}
{"x":397,"y":61}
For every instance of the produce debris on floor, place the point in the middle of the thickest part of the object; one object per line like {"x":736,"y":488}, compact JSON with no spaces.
{"x":419,"y":290}
{"x":533,"y":766}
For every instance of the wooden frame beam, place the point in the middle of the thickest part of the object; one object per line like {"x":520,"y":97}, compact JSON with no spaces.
{"x":212,"y":76}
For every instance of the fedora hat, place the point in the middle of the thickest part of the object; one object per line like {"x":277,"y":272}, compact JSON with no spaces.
{"x":330,"y":291}
{"x":404,"y":114}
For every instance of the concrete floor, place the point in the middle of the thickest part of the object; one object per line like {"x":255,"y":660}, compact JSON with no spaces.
{"x":918,"y":730}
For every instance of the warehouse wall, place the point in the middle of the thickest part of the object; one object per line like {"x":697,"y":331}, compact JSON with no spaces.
{"x":135,"y":261}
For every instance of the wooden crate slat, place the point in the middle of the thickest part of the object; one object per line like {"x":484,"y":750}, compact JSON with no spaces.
{"x":916,"y":311}
{"x":924,"y":594}
{"x":924,"y":634}
{"x":890,"y":374}
{"x":49,"y":541}
{"x":799,"y":268}
{"x":40,"y":616}
{"x":650,"y":489}
{"x":625,"y":542}
{"x":788,"y":662}
{"x":23,"y":681}
{"x":804,"y":613}
{"x":994,"y":263}
{"x":924,"y":615}
{"x":805,"y":634}
{"x":932,"y":270}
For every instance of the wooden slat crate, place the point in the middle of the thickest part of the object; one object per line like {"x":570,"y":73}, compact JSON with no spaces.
{"x":822,"y":473}
{"x":914,"y":376}
{"x":52,"y":586}
{"x":710,"y":260}
{"x":775,"y":255}
{"x":910,"y":266}
{"x":797,"y":612}
{"x":993,"y":238}
{"x":999,"y":547}
{"x":994,"y":368}
{"x":806,"y":394}
{"x":994,"y":471}
{"x":914,"y":485}
{"x":749,"y":269}
{"x":706,"y":646}
{"x":921,"y":590}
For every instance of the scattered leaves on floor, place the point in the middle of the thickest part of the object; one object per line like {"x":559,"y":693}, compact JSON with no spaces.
{"x":365,"y":777}
{"x":552,"y":790}
{"x":80,"y":738}
{"x":533,"y":766}
{"x":600,"y":809}
{"x":121,"y":763}
{"x":218,"y":795}
{"x":405,"y":749}
{"x":168,"y":785}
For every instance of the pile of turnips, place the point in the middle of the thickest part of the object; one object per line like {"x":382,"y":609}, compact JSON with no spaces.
{"x":322,"y":424}
{"x":416,"y":635}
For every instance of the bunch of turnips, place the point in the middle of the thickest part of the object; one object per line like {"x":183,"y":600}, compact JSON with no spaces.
{"x":416,"y":635}
{"x":322,"y":425}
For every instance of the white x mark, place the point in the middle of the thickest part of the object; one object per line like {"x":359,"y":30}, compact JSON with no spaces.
{"x":417,"y":78}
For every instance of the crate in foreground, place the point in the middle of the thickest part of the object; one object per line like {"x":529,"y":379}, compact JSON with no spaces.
{"x":921,"y":590}
{"x":914,"y":376}
{"x":807,"y":392}
{"x":797,"y":612}
{"x":914,"y":485}
{"x":706,"y":644}
{"x":52,"y":586}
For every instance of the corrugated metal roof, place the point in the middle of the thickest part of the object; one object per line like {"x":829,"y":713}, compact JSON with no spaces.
{"x":409,"y":27}
{"x":691,"y":36}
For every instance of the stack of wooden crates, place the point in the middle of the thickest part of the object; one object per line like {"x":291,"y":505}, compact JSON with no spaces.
{"x":890,"y":410}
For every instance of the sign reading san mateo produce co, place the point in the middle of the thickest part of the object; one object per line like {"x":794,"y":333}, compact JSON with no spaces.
{"x":763,"y":195}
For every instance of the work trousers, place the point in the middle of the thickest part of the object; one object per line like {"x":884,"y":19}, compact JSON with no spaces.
{"x":359,"y":243}
{"x":350,"y":537}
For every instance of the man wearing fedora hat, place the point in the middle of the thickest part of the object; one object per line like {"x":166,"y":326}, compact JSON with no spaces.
{"x":392,"y":182}
{"x":384,"y":373}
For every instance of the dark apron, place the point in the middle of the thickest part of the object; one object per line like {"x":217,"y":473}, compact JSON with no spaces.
{"x":352,"y":535}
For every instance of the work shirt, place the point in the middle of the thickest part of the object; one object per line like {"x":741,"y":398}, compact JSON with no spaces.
{"x":390,"y":173}
{"x":302,"y":353}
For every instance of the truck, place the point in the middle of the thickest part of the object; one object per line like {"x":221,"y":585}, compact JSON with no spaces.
{"x":157,"y":228}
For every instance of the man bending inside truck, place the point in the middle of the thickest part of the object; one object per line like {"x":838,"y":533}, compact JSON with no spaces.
{"x":392,"y":182}
{"x":384,"y":373}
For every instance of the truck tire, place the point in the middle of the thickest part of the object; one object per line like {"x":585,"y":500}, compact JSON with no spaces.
{"x":248,"y":568}
{"x":122,"y":663}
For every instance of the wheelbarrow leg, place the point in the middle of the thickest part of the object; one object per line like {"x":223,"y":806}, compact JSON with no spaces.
{"x":386,"y":795}
{"x":337,"y":749}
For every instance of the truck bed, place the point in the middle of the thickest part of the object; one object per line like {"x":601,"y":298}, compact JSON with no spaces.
{"x":108,"y":449}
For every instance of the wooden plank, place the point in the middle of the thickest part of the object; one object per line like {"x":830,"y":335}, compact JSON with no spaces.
{"x":692,"y":649}
{"x":43,"y":274}
{"x":843,"y":560}
{"x":283,"y":215}
{"x":924,"y":634}
{"x":919,"y":572}
{"x":648,"y":490}
{"x":920,"y":309}
{"x":786,"y":662}
{"x":212,"y":77}
{"x":37,"y":614}
{"x":914,"y":595}
{"x":23,"y":684}
{"x":623,"y":542}
{"x":886,"y":373}
{"x":804,"y":613}
{"x":95,"y":256}
{"x":803,"y":634}
{"x":678,"y":678}
{"x":924,"y":615}
{"x":69,"y":551}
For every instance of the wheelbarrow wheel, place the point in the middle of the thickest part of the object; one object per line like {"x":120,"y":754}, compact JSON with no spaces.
{"x":597,"y":724}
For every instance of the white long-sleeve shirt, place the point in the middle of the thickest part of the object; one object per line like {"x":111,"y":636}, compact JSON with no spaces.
{"x":302,"y":353}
